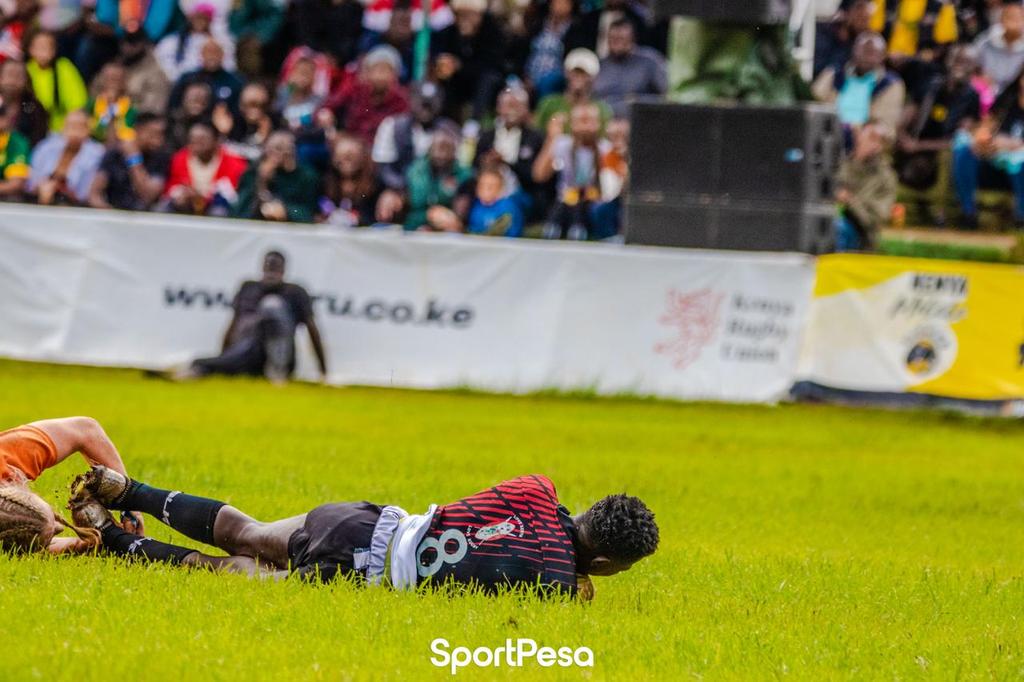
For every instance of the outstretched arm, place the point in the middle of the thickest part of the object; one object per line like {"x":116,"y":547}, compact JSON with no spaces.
{"x":318,"y":345}
{"x":84,"y":435}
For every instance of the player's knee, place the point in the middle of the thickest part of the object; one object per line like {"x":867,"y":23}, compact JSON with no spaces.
{"x":247,"y":539}
{"x":234,"y":531}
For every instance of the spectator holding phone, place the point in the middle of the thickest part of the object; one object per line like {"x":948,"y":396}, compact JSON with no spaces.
{"x":278,"y":187}
{"x":65,"y":164}
{"x":247,"y":132}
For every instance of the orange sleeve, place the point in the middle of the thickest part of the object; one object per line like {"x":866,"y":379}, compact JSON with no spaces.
{"x":28,"y":449}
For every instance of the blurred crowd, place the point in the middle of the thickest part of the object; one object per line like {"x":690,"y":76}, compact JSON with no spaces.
{"x":930,"y":96}
{"x":509,"y":120}
{"x":500,"y":117}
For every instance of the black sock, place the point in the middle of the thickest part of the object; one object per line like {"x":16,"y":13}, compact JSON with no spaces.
{"x":126,"y":544}
{"x":189,"y":515}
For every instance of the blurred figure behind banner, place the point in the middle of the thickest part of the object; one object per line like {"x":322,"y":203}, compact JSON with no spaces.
{"x":260,"y":341}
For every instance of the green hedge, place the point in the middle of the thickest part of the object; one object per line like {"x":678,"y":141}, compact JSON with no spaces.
{"x":984,"y":254}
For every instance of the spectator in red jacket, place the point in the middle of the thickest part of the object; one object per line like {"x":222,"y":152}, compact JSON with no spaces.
{"x":203,"y":179}
{"x":362,"y":104}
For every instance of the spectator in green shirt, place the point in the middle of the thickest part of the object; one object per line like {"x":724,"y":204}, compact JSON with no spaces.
{"x":15,"y":152}
{"x":581,"y":68}
{"x":56,"y":82}
{"x":438,"y":186}
{"x":277,"y":186}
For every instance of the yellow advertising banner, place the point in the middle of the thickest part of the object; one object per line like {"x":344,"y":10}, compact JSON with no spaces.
{"x":901,"y":325}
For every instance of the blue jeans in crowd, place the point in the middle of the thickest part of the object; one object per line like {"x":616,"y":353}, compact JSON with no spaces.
{"x":848,"y":237}
{"x":967,"y":169}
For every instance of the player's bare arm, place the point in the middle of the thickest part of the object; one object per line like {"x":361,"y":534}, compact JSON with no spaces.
{"x":84,"y":435}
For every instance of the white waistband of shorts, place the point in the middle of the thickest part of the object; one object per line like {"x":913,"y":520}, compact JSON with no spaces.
{"x":407,"y":537}
{"x":383,"y":531}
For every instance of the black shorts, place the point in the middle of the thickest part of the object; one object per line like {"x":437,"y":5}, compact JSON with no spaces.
{"x":330,"y":536}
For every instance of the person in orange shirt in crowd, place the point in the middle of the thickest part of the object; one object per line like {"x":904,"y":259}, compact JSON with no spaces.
{"x":27,"y":522}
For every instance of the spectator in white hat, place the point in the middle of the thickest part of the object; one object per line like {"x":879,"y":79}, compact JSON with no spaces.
{"x":581,"y":69}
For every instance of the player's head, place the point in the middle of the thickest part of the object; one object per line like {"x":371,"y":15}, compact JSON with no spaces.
{"x":273,"y":267}
{"x":28,"y":523}
{"x":614,"y":534}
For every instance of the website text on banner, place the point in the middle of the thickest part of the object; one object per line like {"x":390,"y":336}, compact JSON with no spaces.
{"x":898,"y":325}
{"x":424,"y":311}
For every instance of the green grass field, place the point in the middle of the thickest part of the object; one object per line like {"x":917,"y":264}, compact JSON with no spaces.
{"x":800,"y":541}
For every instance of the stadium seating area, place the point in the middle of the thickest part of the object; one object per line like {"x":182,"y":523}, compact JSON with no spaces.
{"x":335,"y":112}
{"x":941,"y":81}
{"x":500,"y":117}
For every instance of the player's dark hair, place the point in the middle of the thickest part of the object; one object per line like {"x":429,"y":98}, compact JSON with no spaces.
{"x":275,"y":254}
{"x":621,"y":527}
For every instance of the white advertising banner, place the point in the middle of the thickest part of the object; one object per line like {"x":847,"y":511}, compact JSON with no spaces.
{"x":410,"y":310}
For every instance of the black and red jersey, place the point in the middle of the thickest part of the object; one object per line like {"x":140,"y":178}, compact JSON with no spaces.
{"x":513,"y":533}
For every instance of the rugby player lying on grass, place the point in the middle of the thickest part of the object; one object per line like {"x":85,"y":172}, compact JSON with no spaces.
{"x":515,"y":533}
{"x":27,"y":522}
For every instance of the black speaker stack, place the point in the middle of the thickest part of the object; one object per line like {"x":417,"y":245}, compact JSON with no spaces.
{"x":733,"y":176}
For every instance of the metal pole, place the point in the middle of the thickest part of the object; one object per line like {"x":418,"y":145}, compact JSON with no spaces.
{"x":421,"y":48}
{"x":803,"y":23}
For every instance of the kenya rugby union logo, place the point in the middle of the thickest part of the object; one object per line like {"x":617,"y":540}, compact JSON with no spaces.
{"x":694,"y":317}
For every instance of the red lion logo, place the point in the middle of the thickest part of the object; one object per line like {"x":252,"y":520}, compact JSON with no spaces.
{"x":694,"y":316}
